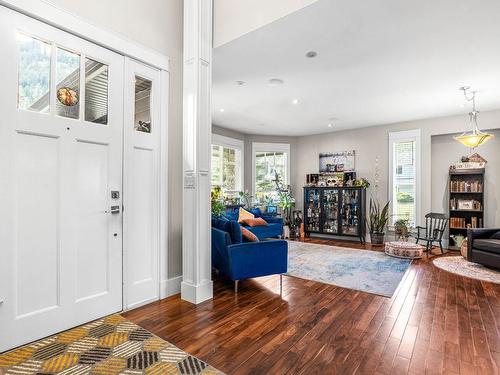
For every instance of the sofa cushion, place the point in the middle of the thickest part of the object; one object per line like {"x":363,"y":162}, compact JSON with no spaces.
{"x":232,"y":215}
{"x":257,"y":222}
{"x":248,"y":236}
{"x":256,"y":212}
{"x":244,"y":214}
{"x":267,"y":231}
{"x":234,"y":230}
{"x":489,"y":245}
{"x":230,"y":226}
{"x":496,"y":236}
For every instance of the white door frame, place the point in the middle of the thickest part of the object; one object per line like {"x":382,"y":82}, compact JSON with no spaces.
{"x":60,"y":18}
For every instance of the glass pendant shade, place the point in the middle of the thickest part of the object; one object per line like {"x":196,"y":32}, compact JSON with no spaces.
{"x":473,"y":137}
{"x":472,"y":140}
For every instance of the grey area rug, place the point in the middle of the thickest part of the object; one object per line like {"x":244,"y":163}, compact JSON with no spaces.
{"x":462,"y":267}
{"x":365,"y":270}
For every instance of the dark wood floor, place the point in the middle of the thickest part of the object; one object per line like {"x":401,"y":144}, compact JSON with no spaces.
{"x":436,"y":322}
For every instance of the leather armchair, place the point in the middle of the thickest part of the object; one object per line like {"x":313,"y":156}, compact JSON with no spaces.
{"x":483,"y":247}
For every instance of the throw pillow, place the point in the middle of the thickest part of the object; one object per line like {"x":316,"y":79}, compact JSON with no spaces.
{"x":249,"y":236}
{"x":244,"y":214}
{"x":256,"y":212}
{"x":257,"y":222}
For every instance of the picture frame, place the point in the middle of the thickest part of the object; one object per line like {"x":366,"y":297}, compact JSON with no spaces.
{"x":465,"y":205}
{"x":337,"y":162}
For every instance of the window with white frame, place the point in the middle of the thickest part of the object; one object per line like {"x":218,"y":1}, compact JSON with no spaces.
{"x":227,"y":163}
{"x":269,"y":159}
{"x":404,"y":175}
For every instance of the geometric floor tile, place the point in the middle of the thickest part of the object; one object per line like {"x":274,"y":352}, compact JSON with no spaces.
{"x":60,"y":362}
{"x":108,"y":346}
{"x":127,"y":349}
{"x":142,"y":360}
{"x":49,"y":351}
{"x":113,"y":339}
{"x":92,"y":356}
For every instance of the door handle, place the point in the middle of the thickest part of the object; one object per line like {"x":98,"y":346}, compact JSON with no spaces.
{"x":113,"y":210}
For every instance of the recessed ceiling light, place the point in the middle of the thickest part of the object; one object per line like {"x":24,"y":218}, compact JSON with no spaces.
{"x":222,"y":110}
{"x":311,"y":54}
{"x":330,"y":125}
{"x":240,"y":83}
{"x":275,"y":82}
{"x":295,"y":101}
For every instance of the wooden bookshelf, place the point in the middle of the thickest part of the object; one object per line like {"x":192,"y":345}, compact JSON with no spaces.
{"x":466,"y":201}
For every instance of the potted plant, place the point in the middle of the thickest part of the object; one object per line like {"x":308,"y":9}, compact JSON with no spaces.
{"x":217,"y":202}
{"x":401,"y":229}
{"x":377,"y":220}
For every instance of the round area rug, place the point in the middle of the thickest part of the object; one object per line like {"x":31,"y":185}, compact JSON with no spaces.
{"x":462,"y":267}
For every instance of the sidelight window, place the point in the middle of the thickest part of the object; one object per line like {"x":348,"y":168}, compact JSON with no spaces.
{"x":143,"y":87}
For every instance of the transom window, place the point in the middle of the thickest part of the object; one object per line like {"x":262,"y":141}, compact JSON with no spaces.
{"x":37,"y":64}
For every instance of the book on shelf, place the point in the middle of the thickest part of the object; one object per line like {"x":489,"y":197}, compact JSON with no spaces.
{"x":460,"y":186}
{"x":461,"y":223}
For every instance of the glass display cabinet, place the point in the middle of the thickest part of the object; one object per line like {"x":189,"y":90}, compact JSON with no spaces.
{"x":335,"y":211}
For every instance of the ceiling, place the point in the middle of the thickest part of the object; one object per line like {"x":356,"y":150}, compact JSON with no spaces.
{"x":378,"y":62}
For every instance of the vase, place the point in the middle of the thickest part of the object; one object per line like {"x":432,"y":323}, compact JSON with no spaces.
{"x":377,"y":238}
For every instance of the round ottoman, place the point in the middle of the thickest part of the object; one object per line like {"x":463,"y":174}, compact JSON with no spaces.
{"x":402,"y":249}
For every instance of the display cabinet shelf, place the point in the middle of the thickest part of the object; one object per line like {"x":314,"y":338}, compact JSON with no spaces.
{"x":336,"y":211}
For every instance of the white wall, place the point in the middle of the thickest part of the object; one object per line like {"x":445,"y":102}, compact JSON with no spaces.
{"x":446,"y":151}
{"x":156,"y":24}
{"x":373,"y":141}
{"x":234,"y":18}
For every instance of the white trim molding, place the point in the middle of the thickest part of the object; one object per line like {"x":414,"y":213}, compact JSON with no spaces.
{"x":407,"y":135}
{"x":220,"y":140}
{"x":197,"y":283}
{"x":271,"y":147}
{"x":50,"y":14}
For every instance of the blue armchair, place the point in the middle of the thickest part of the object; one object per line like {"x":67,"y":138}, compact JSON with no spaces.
{"x":242,"y":260}
{"x":273,"y":229}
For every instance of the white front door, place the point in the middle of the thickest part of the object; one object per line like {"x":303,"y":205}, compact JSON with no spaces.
{"x":141,"y":221}
{"x":61,"y":106}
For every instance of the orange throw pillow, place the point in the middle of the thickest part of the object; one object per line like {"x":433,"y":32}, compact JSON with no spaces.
{"x":249,"y":236}
{"x":244,"y":214}
{"x":257,"y":222}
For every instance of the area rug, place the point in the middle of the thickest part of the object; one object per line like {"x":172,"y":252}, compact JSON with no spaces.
{"x":108,"y":346}
{"x":365,"y":270}
{"x":461,"y":266}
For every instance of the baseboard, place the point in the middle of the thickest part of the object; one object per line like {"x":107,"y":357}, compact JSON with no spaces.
{"x":196,"y":293}
{"x":170,"y":287}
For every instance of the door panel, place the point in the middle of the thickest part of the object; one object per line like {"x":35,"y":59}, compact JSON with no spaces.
{"x":61,"y":259}
{"x":37,"y":250}
{"x":92,"y":251}
{"x":141,"y":184}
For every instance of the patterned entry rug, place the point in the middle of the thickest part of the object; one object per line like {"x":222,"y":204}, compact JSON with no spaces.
{"x":365,"y":270}
{"x":461,"y":266}
{"x":108,"y":346}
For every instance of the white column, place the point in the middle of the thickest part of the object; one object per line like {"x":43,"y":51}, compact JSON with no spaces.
{"x":196,"y":284}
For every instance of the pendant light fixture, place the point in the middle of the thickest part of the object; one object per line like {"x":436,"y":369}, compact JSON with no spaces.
{"x":472,"y":137}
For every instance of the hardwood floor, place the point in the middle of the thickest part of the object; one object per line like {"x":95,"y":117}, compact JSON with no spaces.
{"x":436,"y":322}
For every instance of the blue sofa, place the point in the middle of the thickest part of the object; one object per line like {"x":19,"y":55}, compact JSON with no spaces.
{"x":274,"y":229}
{"x":243,"y":260}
